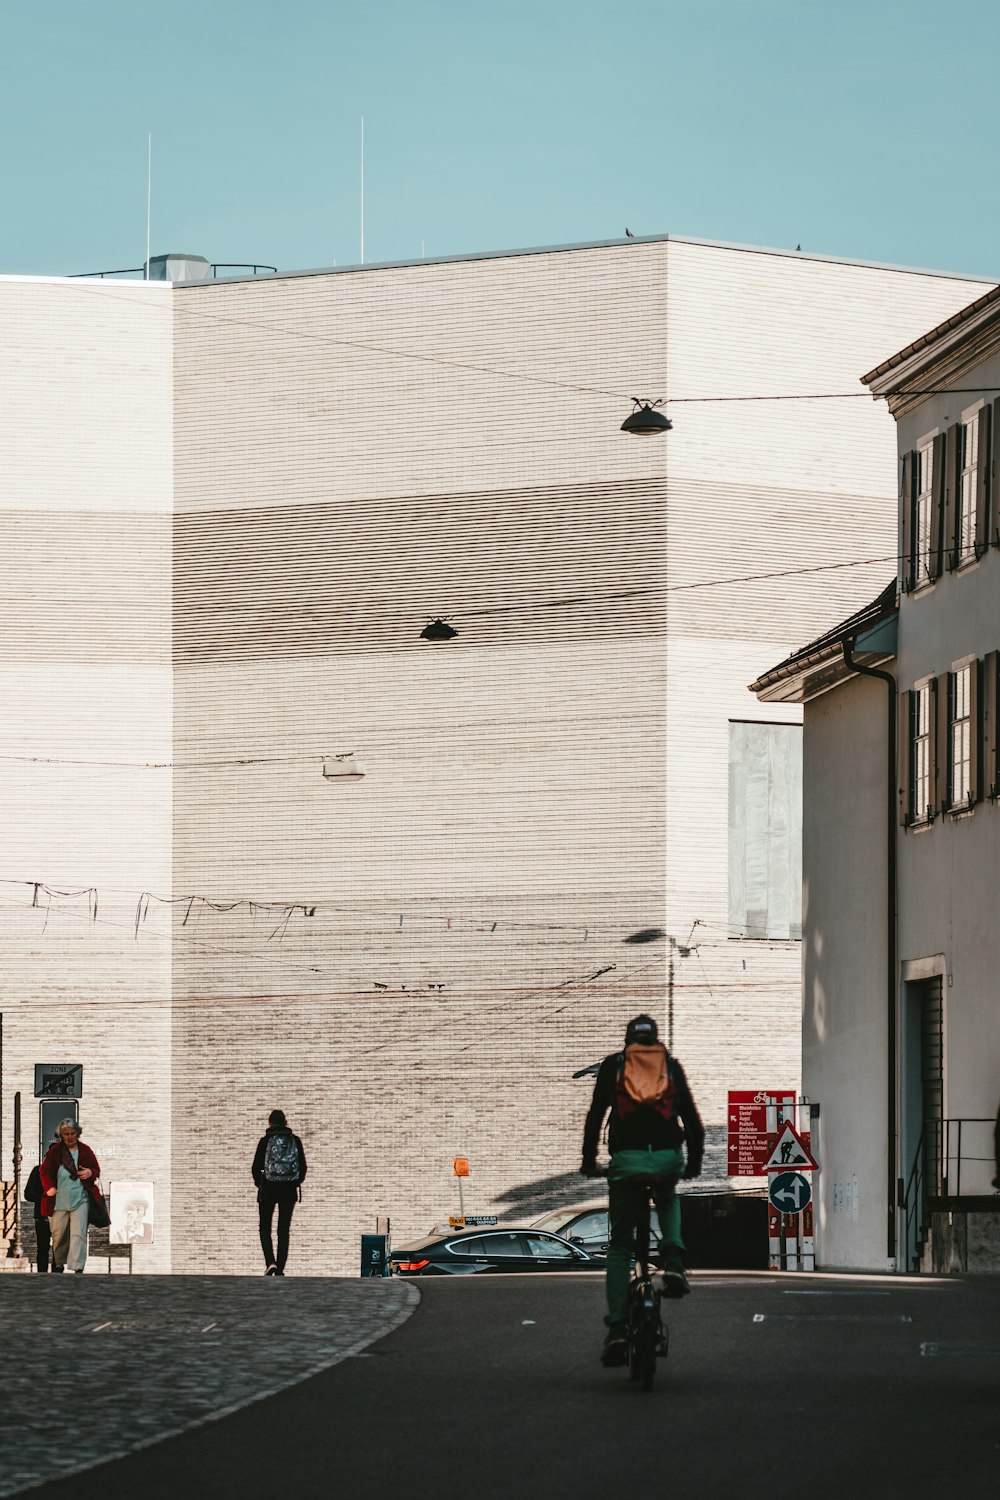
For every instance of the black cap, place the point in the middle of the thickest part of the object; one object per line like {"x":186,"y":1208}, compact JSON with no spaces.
{"x":641,"y":1029}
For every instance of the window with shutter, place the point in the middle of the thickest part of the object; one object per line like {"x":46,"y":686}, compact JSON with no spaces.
{"x":924,"y":509}
{"x":939,"y":697}
{"x":952,"y":482}
{"x":960,"y":776}
{"x":904,"y":753}
{"x":993,"y":525}
{"x":908,"y":570}
{"x":938,"y":507}
{"x":990,"y":785}
{"x":967,"y":491}
{"x":984,"y":480}
{"x":922,"y":747}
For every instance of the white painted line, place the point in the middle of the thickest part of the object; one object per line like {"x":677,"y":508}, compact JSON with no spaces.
{"x":759,"y":1317}
{"x":527,"y":1322}
{"x":836,"y":1293}
{"x":100,"y":1327}
{"x":208,"y":1327}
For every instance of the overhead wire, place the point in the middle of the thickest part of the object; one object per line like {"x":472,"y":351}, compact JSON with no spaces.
{"x":365,"y":346}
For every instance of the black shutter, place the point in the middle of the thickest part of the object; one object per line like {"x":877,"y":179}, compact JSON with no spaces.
{"x":975,"y":735}
{"x":938,"y":505}
{"x":951,"y":480}
{"x":989,"y":722}
{"x":984,"y":485}
{"x":904,"y":755}
{"x":939,"y":785}
{"x":995,"y":475}
{"x":910,"y":468}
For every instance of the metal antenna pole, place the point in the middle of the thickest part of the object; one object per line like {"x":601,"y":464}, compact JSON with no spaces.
{"x":149,"y":192}
{"x":362,"y":189}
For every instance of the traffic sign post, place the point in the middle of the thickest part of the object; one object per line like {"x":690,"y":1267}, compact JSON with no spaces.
{"x":461,"y":1169}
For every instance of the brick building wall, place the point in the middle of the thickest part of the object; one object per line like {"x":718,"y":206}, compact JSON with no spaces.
{"x":86,"y":717}
{"x":346,"y":455}
{"x":333,"y":493}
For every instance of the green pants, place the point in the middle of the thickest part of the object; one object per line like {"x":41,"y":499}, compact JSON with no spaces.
{"x":624,"y":1206}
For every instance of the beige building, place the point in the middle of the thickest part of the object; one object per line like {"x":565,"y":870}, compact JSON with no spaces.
{"x":901,"y":1034}
{"x":320,"y":862}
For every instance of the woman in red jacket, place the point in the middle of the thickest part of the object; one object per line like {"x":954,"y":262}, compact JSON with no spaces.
{"x":69,"y":1174}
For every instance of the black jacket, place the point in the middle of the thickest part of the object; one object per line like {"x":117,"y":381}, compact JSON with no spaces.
{"x":645,"y":1128}
{"x":258,"y":1162}
{"x":33,"y":1190}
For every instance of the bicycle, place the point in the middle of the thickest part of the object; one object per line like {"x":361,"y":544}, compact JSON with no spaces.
{"x":646,"y":1334}
{"x":647,"y":1337}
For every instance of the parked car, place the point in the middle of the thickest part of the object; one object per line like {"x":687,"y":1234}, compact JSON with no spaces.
{"x":721,"y":1229}
{"x":585,"y":1225}
{"x":474,"y":1251}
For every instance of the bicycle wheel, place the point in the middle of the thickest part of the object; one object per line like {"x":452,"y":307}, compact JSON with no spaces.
{"x":649,"y":1337}
{"x":634,"y":1359}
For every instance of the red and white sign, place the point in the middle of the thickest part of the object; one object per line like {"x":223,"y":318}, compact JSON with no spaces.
{"x":750,"y":1133}
{"x":791,"y":1152}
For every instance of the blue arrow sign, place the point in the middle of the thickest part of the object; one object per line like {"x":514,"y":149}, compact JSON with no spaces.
{"x":789,"y":1192}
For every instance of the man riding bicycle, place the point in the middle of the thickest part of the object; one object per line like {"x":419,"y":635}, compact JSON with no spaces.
{"x":652,"y":1113}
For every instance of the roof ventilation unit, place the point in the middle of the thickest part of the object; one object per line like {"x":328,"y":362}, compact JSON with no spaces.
{"x":178,"y":267}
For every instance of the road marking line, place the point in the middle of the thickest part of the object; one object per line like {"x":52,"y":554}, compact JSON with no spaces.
{"x":759,"y":1317}
{"x":527,"y":1322}
{"x":100,"y":1327}
{"x":208,"y":1327}
{"x":983,"y":1351}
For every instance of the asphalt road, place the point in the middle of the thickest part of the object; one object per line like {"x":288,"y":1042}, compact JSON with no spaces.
{"x":821,"y":1387}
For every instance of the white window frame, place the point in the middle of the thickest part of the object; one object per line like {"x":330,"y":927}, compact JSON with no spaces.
{"x":922,"y":752}
{"x":961,"y":747}
{"x":966,"y":518}
{"x":923,"y":512}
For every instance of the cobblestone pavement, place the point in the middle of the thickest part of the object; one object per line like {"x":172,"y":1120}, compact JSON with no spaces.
{"x":97,"y":1366}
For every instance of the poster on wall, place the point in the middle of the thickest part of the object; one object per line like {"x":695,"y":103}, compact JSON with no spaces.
{"x":131,"y":1213}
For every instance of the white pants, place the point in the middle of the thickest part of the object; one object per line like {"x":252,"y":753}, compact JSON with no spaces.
{"x":69,"y":1237}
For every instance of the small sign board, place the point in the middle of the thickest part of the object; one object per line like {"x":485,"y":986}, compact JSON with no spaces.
{"x":748,"y":1142}
{"x":471,"y":1221}
{"x":131,"y":1211}
{"x":789,"y":1192}
{"x":790,"y":1151}
{"x":461,"y":1166}
{"x":58,"y":1080}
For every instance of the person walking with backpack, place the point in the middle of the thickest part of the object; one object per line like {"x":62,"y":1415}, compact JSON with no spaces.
{"x":279,"y":1169}
{"x":652,"y":1114}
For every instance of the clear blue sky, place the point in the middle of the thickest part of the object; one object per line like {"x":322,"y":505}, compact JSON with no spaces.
{"x":863,"y":128}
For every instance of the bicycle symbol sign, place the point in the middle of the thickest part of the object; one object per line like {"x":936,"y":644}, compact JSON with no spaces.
{"x":789,"y":1192}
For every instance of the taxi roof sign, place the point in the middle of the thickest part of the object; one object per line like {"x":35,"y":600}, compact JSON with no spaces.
{"x":790,"y":1151}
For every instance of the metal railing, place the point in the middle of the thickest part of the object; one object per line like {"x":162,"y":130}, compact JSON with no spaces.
{"x":8,"y":1195}
{"x":936,"y":1174}
{"x":141,"y":270}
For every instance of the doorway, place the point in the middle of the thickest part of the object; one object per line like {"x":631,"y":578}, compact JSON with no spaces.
{"x":922,"y":1123}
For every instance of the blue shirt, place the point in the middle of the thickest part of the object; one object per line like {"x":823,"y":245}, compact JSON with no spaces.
{"x":70,"y":1191}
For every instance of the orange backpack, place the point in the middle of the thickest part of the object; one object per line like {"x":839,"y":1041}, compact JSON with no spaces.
{"x":645,"y":1081}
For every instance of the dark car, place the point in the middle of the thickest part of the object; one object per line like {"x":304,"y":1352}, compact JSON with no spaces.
{"x":470,"y":1252}
{"x":585,"y":1225}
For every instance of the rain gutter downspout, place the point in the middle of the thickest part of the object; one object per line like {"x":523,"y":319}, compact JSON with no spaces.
{"x":890,"y":939}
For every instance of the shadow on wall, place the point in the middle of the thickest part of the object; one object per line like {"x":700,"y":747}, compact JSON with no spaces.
{"x":568,"y":1188}
{"x":549,"y":1192}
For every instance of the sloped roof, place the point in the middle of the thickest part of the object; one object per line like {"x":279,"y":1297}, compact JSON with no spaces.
{"x":926,"y":340}
{"x":820,"y":665}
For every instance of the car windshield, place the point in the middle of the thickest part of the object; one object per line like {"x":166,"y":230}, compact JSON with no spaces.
{"x":555,"y":1220}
